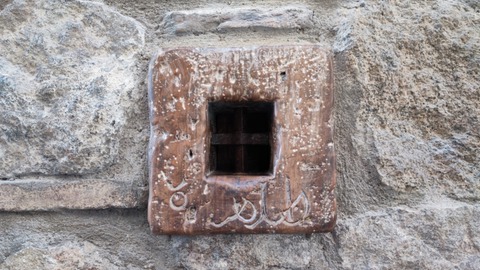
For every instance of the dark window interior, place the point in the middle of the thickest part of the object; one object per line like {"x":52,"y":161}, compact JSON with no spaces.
{"x":240,"y":137}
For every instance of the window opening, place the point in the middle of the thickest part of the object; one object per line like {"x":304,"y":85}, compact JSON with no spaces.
{"x":241,"y":141}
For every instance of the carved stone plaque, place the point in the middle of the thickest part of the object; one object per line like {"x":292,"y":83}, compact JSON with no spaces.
{"x":241,"y":140}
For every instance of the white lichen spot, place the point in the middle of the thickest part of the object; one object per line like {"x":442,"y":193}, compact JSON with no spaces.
{"x":164,"y":136}
{"x":205,"y":190}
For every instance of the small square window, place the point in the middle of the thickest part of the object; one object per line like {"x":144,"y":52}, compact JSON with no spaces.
{"x":242,"y":140}
{"x":241,"y":137}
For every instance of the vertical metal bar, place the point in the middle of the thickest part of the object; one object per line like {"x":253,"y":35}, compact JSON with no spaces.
{"x":239,"y":149}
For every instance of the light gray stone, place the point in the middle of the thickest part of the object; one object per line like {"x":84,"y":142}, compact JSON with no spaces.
{"x":435,"y":235}
{"x":221,"y":19}
{"x":251,"y":252}
{"x":408,"y":117}
{"x":66,"y":83}
{"x":40,"y":195}
{"x":82,"y":240}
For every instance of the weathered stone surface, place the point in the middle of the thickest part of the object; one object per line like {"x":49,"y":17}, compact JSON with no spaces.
{"x":221,"y":19}
{"x":65,"y":84}
{"x":408,"y":92}
{"x":422,"y":104}
{"x":437,"y":235}
{"x":396,"y":99}
{"x":82,"y":240}
{"x":34,"y":195}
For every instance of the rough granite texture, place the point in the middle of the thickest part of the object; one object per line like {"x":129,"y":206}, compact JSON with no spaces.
{"x":200,"y":21}
{"x":66,"y":83}
{"x":407,"y":135}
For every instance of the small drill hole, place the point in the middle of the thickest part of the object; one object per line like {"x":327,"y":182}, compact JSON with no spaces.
{"x":190,"y":153}
{"x":283,"y":75}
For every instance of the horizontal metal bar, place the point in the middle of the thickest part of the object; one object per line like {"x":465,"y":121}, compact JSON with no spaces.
{"x":240,"y":139}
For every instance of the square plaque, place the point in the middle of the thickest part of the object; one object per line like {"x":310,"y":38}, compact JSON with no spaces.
{"x":241,"y":140}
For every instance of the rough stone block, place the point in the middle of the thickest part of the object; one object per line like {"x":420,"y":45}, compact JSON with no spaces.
{"x":65,"y":81}
{"x":199,"y":21}
{"x":441,"y":234}
{"x":40,"y":195}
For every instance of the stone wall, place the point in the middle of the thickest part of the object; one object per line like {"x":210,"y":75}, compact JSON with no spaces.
{"x":74,"y":132}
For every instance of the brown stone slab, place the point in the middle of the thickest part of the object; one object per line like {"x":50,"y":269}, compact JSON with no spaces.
{"x":296,"y":195}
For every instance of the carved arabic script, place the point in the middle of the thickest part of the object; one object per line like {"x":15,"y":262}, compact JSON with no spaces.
{"x":285,"y":217}
{"x":179,"y":200}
